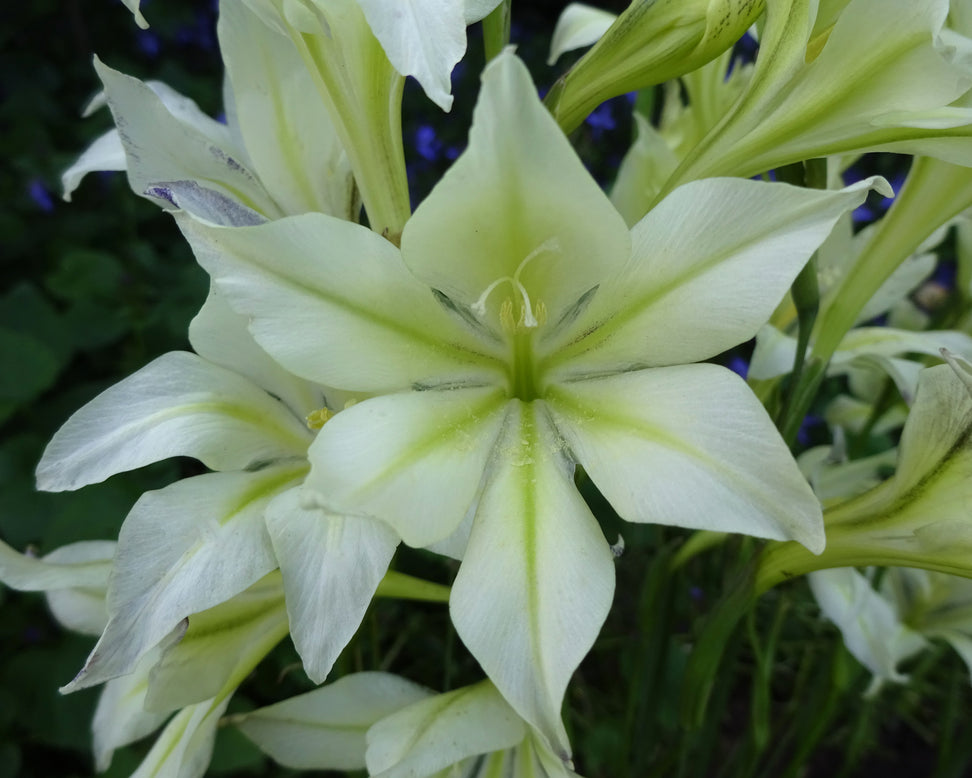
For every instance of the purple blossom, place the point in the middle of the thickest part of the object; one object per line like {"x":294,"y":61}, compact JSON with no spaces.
{"x":40,"y":195}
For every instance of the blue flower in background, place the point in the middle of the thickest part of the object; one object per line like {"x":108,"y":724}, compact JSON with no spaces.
{"x":40,"y":195}
{"x":428,"y":146}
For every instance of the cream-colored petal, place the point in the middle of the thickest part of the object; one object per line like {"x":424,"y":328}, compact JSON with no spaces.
{"x":332,"y":302}
{"x":537,"y":578}
{"x":688,"y":446}
{"x":178,"y":405}
{"x":414,"y":460}
{"x":517,"y":207}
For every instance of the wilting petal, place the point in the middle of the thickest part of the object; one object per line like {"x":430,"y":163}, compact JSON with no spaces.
{"x":709,"y":264}
{"x":515,"y":204}
{"x":181,"y":550}
{"x":325,"y":729}
{"x":440,"y":731}
{"x":178,"y":405}
{"x":688,"y":446}
{"x":331,"y":567}
{"x":414,"y":460}
{"x":537,"y":578}
{"x":161,"y":146}
{"x":332,"y":302}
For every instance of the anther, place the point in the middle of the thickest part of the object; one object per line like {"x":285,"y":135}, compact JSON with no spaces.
{"x":318,"y":418}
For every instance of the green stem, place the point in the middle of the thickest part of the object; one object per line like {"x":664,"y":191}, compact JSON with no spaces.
{"x":806,"y":300}
{"x":406,"y":587}
{"x":496,"y":29}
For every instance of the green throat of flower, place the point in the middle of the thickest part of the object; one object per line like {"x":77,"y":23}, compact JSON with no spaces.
{"x":520,"y":317}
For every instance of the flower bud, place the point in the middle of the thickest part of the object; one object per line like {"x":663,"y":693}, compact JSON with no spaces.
{"x":651,"y":42}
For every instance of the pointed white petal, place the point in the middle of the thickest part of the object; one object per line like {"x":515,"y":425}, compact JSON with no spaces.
{"x":331,"y":567}
{"x":579,"y":25}
{"x":106,"y":153}
{"x":331,"y":301}
{"x":517,"y":203}
{"x":413,"y":460}
{"x":421,"y":38}
{"x":689,"y":446}
{"x":181,"y":550}
{"x":537,"y":578}
{"x":178,"y":405}
{"x":440,"y":731}
{"x":74,"y":578}
{"x":132,"y":5}
{"x":325,"y":729}
{"x":709,"y":265}
{"x":78,"y":565}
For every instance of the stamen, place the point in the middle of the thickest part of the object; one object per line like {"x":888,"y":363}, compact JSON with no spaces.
{"x":541,"y":312}
{"x":528,"y":318}
{"x":506,"y":316}
{"x":319,"y":418}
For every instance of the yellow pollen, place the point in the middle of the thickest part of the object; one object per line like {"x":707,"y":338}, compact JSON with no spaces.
{"x":319,"y":418}
{"x":540,"y":311}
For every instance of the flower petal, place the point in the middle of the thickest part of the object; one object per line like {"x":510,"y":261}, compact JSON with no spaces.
{"x":709,"y":264}
{"x":325,"y":729}
{"x":178,"y":405}
{"x":518,"y":191}
{"x":415,"y":460}
{"x":688,"y":446}
{"x":120,"y":717}
{"x":578,"y":25}
{"x":288,"y":134}
{"x":106,"y":153}
{"x":181,"y":550}
{"x":184,"y":748}
{"x":331,"y":567}
{"x":162,"y":146}
{"x":217,"y":643}
{"x":537,"y":578}
{"x":133,"y":6}
{"x":78,"y":565}
{"x":437,"y":732}
{"x":219,"y":335}
{"x":421,"y":38}
{"x":331,"y":301}
{"x":872,"y":631}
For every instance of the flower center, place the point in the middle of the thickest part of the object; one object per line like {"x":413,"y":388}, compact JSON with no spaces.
{"x":519,"y":317}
